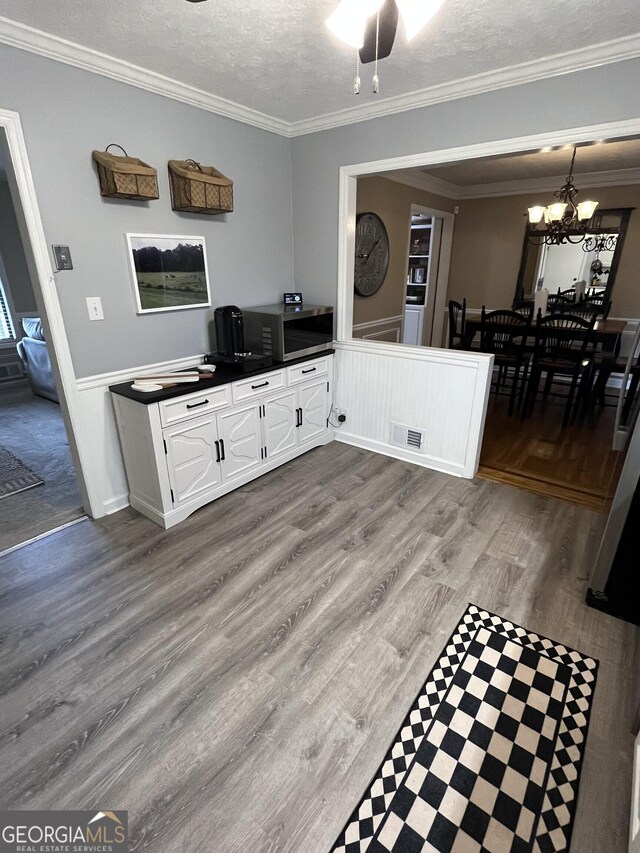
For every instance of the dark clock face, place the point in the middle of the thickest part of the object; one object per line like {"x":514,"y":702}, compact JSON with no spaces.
{"x":372,"y":254}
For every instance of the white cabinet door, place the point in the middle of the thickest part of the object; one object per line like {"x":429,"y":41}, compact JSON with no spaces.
{"x":192,"y":459}
{"x":239,"y":434}
{"x":413,"y":319}
{"x":279,"y":423}
{"x":313,"y":402}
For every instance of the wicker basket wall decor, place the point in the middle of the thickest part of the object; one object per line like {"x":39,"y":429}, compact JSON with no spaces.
{"x":199,"y":189}
{"x":125,"y":177}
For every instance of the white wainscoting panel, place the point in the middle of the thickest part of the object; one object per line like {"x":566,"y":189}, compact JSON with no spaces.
{"x":97,"y":423}
{"x":443,"y":392}
{"x":387,"y":329}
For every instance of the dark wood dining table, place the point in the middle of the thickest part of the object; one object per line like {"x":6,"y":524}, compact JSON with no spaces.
{"x":606,"y":333}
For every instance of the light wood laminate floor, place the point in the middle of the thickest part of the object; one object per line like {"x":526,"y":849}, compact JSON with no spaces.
{"x":234,"y":682}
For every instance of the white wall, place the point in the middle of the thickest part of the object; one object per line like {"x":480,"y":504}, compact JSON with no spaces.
{"x":442,"y":392}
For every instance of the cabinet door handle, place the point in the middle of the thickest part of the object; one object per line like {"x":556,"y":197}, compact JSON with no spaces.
{"x":310,"y":370}
{"x":222,"y":449}
{"x":217,"y":451}
{"x":300,"y":416}
{"x":195,"y":405}
{"x":261,"y":385}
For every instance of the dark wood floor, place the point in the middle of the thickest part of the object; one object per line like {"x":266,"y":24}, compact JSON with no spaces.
{"x":234,"y":682}
{"x":575,"y":464}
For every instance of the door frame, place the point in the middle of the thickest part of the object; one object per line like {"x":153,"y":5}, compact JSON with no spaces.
{"x":444,"y":263}
{"x":20,"y":180}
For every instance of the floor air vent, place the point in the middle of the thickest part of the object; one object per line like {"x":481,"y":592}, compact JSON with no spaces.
{"x":408,"y":437}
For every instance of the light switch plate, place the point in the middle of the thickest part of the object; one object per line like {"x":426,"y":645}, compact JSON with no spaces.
{"x":94,"y":307}
{"x":62,"y":256}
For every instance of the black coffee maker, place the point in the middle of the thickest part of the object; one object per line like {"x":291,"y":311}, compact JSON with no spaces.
{"x":230,"y":342}
{"x":229,"y":331}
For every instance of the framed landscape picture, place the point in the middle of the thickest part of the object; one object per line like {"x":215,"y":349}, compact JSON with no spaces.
{"x":168,"y":272}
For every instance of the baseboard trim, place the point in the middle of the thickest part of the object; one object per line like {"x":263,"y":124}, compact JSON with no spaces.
{"x":115,"y":504}
{"x":424,"y":461}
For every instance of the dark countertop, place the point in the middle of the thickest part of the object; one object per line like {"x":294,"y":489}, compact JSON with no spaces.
{"x":223,"y":376}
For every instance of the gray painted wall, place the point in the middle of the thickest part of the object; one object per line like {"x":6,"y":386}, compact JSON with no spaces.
{"x":249,"y":252}
{"x":12,"y":253}
{"x":610,"y":93}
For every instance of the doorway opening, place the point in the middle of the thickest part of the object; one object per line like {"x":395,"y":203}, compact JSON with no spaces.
{"x":426,"y":230}
{"x":39,"y":491}
{"x":404,"y":303}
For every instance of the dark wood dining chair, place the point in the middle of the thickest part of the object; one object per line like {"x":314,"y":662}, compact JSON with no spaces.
{"x":457,"y":320}
{"x":556,"y":301}
{"x":595,"y":306}
{"x":504,"y":334}
{"x":563,"y":347}
{"x":524,"y":307}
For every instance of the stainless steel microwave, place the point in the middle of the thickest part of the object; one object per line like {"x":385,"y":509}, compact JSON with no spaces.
{"x":288,"y":331}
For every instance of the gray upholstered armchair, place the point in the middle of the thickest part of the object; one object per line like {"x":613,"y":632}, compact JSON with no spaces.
{"x":32,"y":349}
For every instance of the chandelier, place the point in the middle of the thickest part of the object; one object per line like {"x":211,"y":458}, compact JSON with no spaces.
{"x":565,"y":221}
{"x":370,"y":26}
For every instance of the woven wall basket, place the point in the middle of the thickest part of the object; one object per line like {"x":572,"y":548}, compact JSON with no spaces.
{"x":125,"y":177}
{"x":199,"y":189}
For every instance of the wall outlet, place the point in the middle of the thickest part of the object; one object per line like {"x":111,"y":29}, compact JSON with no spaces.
{"x":339,"y":415}
{"x":94,"y":307}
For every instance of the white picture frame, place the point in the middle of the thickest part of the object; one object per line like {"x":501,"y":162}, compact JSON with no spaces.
{"x":164,"y":282}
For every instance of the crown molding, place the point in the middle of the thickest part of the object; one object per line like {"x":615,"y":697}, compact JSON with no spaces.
{"x":587,"y":180}
{"x":44,"y":44}
{"x":423,"y":181}
{"x":53,"y":47}
{"x":571,"y":61}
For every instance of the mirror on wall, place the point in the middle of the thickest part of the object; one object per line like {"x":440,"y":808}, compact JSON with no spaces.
{"x":560,"y":267}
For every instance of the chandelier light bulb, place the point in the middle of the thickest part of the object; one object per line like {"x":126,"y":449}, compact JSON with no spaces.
{"x":536,"y":214}
{"x":556,"y":211}
{"x":416,"y":13}
{"x":586,"y":209}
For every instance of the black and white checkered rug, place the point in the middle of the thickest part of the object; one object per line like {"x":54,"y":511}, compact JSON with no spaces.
{"x":488,"y":759}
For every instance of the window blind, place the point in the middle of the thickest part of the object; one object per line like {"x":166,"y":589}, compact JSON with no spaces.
{"x":6,"y":326}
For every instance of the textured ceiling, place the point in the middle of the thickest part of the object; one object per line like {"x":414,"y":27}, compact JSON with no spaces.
{"x":276,"y":56}
{"x":604,"y":157}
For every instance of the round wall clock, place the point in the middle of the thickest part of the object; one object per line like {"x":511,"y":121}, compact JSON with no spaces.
{"x":372,"y":254}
